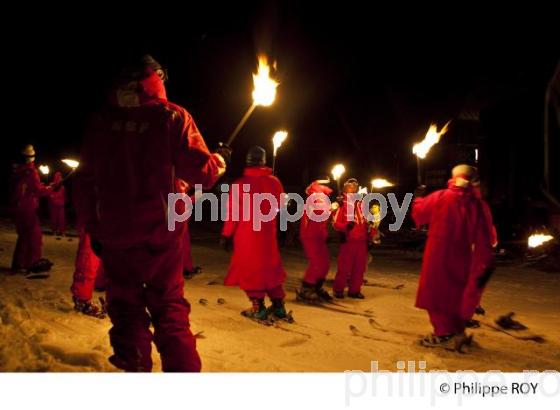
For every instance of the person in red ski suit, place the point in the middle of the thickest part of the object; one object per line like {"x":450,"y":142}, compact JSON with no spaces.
{"x":26,"y":189}
{"x":57,"y":199}
{"x":255,"y":265}
{"x":476,"y":285}
{"x":356,"y":235}
{"x":189,"y":270}
{"x":313,"y":236}
{"x":88,"y":275}
{"x":133,"y":152}
{"x":457,"y":258}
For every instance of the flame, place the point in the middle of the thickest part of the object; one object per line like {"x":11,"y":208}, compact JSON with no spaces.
{"x":264,"y":91}
{"x":432,"y":138}
{"x":337,"y":171}
{"x":362,"y":190}
{"x":72,"y":163}
{"x":44,"y":169}
{"x":538,"y":239}
{"x":278,"y":139}
{"x":379,"y":183}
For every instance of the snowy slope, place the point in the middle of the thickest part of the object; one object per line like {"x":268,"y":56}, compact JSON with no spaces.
{"x":39,"y":330}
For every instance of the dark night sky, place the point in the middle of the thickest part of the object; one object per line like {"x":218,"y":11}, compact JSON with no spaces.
{"x":357,"y":84}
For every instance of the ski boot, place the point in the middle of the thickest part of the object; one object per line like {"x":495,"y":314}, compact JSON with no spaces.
{"x":338,"y":294}
{"x":321,"y":292}
{"x":89,"y":308}
{"x":472,"y":324}
{"x":451,"y":342}
{"x":258,"y":312}
{"x":480,"y":310}
{"x":462,"y":339}
{"x":356,"y":295}
{"x":277,"y":311}
{"x":189,"y":274}
{"x":39,"y":269}
{"x":307,"y":293}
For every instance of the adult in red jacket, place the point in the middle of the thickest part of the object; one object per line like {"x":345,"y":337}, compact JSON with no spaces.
{"x":355,"y":234}
{"x":133,"y":152}
{"x":57,"y":199}
{"x":255,"y":265}
{"x":313,"y":235}
{"x":26,"y":189}
{"x":458,"y":255}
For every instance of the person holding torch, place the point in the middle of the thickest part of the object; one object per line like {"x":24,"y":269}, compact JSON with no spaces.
{"x":313,"y":235}
{"x":355,"y":236}
{"x":25,"y":191}
{"x":134,"y":150}
{"x":457,"y":259}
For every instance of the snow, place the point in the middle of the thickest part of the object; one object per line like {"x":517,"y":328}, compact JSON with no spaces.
{"x":39,"y":330}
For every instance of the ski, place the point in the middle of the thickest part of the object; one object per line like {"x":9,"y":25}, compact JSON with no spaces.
{"x":525,"y":337}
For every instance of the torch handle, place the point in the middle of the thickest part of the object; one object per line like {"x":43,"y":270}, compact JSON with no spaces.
{"x":241,"y":124}
{"x":418,"y":171}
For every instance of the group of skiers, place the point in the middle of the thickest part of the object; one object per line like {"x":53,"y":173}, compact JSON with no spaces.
{"x":141,"y":147}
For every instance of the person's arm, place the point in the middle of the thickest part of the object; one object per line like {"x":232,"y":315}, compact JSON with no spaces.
{"x":422,"y":208}
{"x":192,"y":160}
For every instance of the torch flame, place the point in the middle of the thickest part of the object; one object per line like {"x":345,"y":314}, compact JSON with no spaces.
{"x":337,"y":171}
{"x":379,"y":183}
{"x":264,"y":92}
{"x":72,"y":163}
{"x":278,"y":139}
{"x":432,"y":138}
{"x":44,"y":169}
{"x":538,"y":239}
{"x":362,"y":190}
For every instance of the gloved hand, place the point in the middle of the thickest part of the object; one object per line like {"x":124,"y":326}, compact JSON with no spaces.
{"x":420,"y":191}
{"x":96,"y":247}
{"x":225,"y":152}
{"x":226,"y":242}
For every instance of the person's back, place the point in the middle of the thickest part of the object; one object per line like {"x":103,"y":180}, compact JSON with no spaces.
{"x":256,"y":266}
{"x":133,"y":154}
{"x":458,"y":251}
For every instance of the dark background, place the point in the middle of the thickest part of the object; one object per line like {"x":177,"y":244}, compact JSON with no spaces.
{"x":359,"y":84}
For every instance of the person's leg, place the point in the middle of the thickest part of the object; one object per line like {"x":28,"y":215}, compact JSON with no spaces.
{"x":313,"y":272}
{"x":130,"y":335}
{"x":445,"y":323}
{"x":85,"y":270}
{"x":359,"y":267}
{"x":170,"y":311}
{"x":61,"y":219}
{"x":344,"y":267}
{"x":18,"y":259}
{"x":36,"y":239}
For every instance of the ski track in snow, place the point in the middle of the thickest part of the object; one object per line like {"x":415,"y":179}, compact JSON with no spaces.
{"x":39,"y":330}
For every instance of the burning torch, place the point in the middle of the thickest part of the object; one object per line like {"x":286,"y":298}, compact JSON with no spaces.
{"x":72,"y":164}
{"x":380,"y":183}
{"x":422,"y":148}
{"x":538,"y":239}
{"x":277,"y":140}
{"x":45,"y":170}
{"x":337,"y":172}
{"x":264,"y":94}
